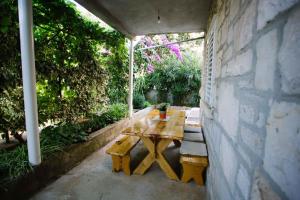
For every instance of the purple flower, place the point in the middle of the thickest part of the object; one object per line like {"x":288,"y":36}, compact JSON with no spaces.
{"x":150,"y":69}
{"x":148,"y":42}
{"x":157,"y":57}
{"x":173,"y":47}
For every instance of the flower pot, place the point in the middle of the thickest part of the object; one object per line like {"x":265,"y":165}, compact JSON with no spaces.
{"x":162,"y":114}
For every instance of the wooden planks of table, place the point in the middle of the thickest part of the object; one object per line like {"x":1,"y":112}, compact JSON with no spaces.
{"x":156,"y":135}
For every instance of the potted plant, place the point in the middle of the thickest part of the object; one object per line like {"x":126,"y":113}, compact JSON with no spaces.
{"x":162,"y":110}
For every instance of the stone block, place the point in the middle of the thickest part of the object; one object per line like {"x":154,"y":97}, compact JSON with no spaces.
{"x":245,"y":156}
{"x":262,"y":190}
{"x":227,"y":53}
{"x":266,"y":50}
{"x":216,"y":138}
{"x":228,"y":162}
{"x":243,"y":182}
{"x":246,"y":82}
{"x":261,"y":120}
{"x":240,"y":65}
{"x":282,"y":159}
{"x":221,"y":13}
{"x":243,"y":29}
{"x":230,"y":34}
{"x":218,"y":63}
{"x":268,"y":9}
{"x":247,"y":113}
{"x":228,"y":109}
{"x":233,"y":10}
{"x":289,"y":52}
{"x":218,"y":186}
{"x":253,"y":140}
{"x":224,"y":30}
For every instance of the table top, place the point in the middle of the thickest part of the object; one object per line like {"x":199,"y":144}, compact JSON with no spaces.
{"x":152,"y":126}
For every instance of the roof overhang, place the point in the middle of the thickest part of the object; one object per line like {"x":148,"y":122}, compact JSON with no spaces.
{"x":140,"y":17}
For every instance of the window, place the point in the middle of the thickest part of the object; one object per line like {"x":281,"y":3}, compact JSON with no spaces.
{"x":209,"y":66}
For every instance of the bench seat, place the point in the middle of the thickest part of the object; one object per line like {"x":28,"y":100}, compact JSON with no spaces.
{"x":193,"y":137}
{"x":193,"y":148}
{"x":192,"y":125}
{"x":120,"y":153}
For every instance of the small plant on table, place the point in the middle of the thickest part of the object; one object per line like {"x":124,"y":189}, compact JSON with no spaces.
{"x":162,"y":110}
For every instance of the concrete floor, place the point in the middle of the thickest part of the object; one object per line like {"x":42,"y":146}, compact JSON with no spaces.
{"x":93,"y":179}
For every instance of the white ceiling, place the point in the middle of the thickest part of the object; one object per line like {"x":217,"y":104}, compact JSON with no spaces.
{"x":139,"y":17}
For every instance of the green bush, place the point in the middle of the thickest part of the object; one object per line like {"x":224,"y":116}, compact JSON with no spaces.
{"x":63,"y":134}
{"x":14,"y":163}
{"x":180,"y":78}
{"x":74,"y":76}
{"x":138,"y":100}
{"x":147,"y":104}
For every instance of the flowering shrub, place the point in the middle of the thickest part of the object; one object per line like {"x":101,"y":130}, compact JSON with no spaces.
{"x":150,"y":69}
{"x":154,"y":56}
{"x":170,"y":70}
{"x":173,"y":47}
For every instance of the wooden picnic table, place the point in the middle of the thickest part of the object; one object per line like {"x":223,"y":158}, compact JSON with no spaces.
{"x":156,"y":135}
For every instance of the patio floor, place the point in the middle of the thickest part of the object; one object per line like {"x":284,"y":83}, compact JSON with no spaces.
{"x":93,"y":179}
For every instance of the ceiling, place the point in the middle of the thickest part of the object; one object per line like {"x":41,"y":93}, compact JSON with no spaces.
{"x":140,"y":17}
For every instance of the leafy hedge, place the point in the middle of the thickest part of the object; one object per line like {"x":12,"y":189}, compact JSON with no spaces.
{"x":174,"y":78}
{"x":14,"y":163}
{"x":80,"y":65}
{"x":172,"y":71}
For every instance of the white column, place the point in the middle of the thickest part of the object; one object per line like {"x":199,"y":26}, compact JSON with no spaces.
{"x":29,"y":81}
{"x":130,"y":94}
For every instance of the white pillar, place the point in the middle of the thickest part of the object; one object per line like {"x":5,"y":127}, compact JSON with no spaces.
{"x":130,"y":94}
{"x":29,"y":81}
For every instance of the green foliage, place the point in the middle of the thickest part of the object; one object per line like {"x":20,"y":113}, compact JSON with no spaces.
{"x":147,"y":104}
{"x":12,"y":111}
{"x":163,"y":106}
{"x":10,"y":71}
{"x":12,"y":119}
{"x":81,"y":67}
{"x":118,"y":111}
{"x":173,"y":71}
{"x":63,"y":134}
{"x":138,"y":100}
{"x":74,"y":76}
{"x":14,"y":163}
{"x":180,"y":78}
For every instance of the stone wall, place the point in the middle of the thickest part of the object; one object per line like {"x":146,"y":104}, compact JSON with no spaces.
{"x":253,"y":128}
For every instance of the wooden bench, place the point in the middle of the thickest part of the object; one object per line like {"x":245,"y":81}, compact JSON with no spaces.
{"x":194,"y":161}
{"x":120,"y":153}
{"x":193,"y":168}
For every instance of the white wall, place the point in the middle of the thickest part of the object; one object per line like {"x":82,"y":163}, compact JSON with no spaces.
{"x":253,"y":130}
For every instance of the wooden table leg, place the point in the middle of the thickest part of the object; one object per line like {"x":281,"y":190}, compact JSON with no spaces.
{"x":156,"y":155}
{"x":149,"y":159}
{"x":161,"y":160}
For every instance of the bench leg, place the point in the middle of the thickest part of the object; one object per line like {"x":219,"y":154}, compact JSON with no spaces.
{"x":198,"y":175}
{"x":116,"y":163}
{"x":192,"y":172}
{"x":126,"y":164}
{"x":187,"y":173}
